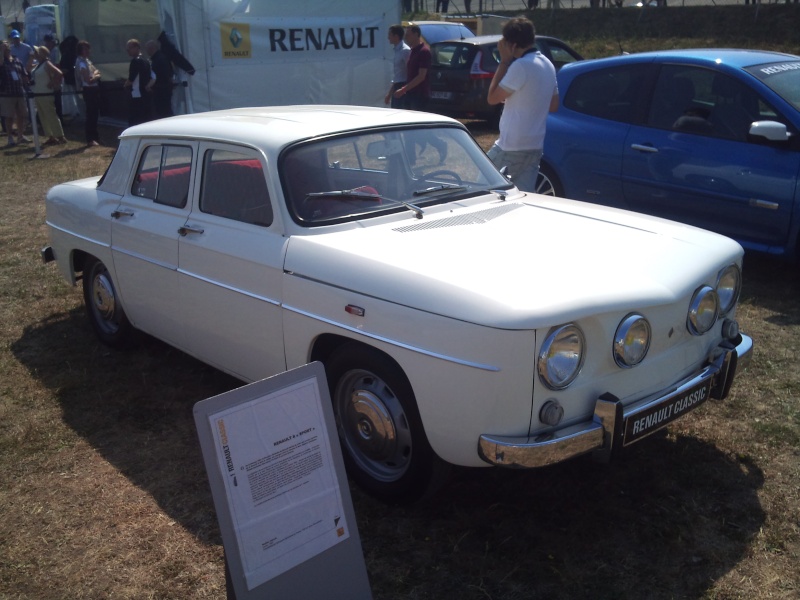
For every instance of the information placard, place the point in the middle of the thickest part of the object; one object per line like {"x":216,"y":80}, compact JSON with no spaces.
{"x":280,"y":490}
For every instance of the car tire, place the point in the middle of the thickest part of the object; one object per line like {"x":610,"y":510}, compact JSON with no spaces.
{"x":103,"y":307}
{"x":547,"y":183}
{"x":380,"y":430}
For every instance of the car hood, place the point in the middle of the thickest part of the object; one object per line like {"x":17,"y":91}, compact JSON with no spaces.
{"x":519,"y":264}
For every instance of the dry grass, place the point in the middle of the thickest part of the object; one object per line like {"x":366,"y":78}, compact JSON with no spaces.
{"x":103,"y":493}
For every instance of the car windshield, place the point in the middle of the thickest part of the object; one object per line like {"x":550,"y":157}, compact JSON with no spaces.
{"x":371,"y":173}
{"x":783,"y":78}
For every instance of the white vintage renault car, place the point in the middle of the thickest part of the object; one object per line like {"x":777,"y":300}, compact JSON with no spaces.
{"x":460,"y":320}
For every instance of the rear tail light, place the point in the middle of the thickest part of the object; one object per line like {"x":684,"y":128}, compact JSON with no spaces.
{"x":475,"y":71}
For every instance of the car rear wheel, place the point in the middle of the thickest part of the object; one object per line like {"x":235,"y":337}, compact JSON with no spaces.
{"x":105,"y":312}
{"x":380,"y":429}
{"x":547,"y":182}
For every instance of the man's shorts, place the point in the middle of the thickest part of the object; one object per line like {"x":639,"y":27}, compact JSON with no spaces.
{"x":13,"y":106}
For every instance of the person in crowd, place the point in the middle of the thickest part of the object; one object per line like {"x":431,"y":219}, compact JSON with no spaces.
{"x":69,"y":54}
{"x":13,"y":81}
{"x":47,"y":79}
{"x":525,"y":81}
{"x":51,"y":43}
{"x":87,"y":80}
{"x":21,"y":51}
{"x":442,"y":5}
{"x":399,"y":65}
{"x":417,"y":89}
{"x":140,"y":83}
{"x":162,"y":88}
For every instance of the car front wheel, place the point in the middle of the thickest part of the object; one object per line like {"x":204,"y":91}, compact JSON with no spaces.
{"x":105,"y":312}
{"x":380,"y":430}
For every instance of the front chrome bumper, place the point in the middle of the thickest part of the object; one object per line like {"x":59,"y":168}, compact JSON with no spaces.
{"x":615,"y":425}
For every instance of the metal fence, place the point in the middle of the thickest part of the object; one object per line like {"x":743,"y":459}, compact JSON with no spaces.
{"x":488,"y":6}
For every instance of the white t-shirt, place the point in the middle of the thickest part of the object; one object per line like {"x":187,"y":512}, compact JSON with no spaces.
{"x":531,"y":80}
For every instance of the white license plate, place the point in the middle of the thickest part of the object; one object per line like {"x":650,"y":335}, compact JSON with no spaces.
{"x":441,"y":95}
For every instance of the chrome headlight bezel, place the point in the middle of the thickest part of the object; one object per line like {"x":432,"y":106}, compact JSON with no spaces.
{"x":561,"y":356}
{"x":703,"y":310}
{"x":632,"y":341}
{"x":729,"y":287}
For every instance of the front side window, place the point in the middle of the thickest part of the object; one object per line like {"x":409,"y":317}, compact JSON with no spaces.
{"x":705,"y":102}
{"x":235,"y":187}
{"x":354,"y":176}
{"x":164,"y":174}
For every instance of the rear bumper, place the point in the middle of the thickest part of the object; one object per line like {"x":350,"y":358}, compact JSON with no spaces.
{"x":614,"y":425}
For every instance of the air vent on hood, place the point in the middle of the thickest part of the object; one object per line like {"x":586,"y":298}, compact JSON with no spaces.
{"x":476,"y":218}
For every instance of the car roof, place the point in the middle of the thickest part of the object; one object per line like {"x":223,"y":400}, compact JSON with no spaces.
{"x":732,"y":57}
{"x":480,"y":40}
{"x":276,"y":126}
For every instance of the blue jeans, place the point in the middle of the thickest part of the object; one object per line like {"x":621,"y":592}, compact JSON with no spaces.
{"x":523,"y":165}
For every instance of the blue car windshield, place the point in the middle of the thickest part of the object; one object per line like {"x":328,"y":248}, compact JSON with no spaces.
{"x":782,"y":77}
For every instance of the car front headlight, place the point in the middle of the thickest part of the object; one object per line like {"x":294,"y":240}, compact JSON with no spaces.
{"x":703,"y":311}
{"x":561,"y":356}
{"x":729,"y":284}
{"x":631,"y":341}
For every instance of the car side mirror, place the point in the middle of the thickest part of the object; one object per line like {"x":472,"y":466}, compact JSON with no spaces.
{"x":771,"y":131}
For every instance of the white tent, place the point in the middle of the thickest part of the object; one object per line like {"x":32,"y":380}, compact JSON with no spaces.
{"x":250,"y":52}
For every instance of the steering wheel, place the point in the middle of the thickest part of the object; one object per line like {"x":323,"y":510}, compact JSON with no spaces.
{"x":444,"y":173}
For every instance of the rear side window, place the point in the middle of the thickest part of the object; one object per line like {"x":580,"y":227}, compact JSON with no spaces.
{"x":452,"y":55}
{"x":163,"y":175}
{"x":608,"y":93}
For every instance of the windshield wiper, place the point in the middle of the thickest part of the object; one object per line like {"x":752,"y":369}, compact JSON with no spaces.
{"x":360,"y":193}
{"x":439,"y":188}
{"x":354,"y":193}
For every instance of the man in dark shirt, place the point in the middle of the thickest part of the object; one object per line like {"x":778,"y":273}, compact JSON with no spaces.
{"x":162,"y":89}
{"x":417,"y":89}
{"x":139,"y":82}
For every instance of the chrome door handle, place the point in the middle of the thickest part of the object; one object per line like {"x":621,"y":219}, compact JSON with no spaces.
{"x":644,"y":148}
{"x":121,"y":213}
{"x":186,"y":229}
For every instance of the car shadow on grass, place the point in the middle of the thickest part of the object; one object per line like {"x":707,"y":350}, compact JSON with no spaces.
{"x":665,"y":520}
{"x":134,"y":407}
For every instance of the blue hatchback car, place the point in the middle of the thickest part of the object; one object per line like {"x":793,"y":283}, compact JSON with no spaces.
{"x":705,"y":137}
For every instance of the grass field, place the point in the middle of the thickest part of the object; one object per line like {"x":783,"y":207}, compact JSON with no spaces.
{"x":103,"y":492}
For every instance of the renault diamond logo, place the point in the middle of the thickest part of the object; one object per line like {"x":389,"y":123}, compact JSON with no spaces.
{"x":235,"y":38}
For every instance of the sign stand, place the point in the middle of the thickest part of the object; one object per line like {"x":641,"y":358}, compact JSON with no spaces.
{"x":280,"y":490}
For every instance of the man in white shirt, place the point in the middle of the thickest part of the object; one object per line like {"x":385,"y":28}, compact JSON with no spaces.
{"x":399,"y":61}
{"x":525,"y":81}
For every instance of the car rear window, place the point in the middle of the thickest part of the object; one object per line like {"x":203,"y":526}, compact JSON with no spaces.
{"x":434,"y":33}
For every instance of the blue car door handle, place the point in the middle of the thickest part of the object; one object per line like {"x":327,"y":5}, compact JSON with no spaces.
{"x":644,"y":148}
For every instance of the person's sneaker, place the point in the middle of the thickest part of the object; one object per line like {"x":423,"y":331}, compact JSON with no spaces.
{"x":10,"y":142}
{"x":23,"y":139}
